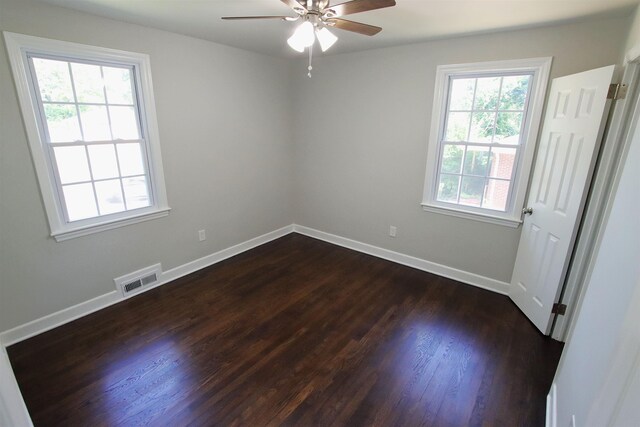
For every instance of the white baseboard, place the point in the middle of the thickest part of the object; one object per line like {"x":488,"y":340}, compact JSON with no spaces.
{"x":410,"y":261}
{"x":552,"y":408}
{"x":69,"y":314}
{"x":11,"y":400}
{"x":59,"y":318}
{"x":208,"y":260}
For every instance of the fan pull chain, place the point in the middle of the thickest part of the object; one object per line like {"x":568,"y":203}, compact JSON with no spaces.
{"x":310,"y":58}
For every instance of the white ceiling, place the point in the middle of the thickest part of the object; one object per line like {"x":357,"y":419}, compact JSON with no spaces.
{"x":408,"y":22}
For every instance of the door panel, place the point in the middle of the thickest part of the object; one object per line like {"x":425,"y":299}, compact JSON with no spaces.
{"x":571,"y":134}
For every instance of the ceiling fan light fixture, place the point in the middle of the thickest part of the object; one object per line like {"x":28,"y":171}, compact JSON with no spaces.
{"x":326,"y":38}
{"x":303,"y":36}
{"x":318,"y":16}
{"x":295,"y":45}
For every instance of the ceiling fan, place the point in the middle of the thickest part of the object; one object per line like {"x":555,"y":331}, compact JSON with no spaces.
{"x":318,"y":15}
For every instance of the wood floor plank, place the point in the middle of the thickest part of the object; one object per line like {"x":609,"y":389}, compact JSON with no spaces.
{"x":296,"y":332}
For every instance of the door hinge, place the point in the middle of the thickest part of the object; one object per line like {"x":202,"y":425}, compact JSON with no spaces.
{"x":617,"y":91}
{"x":558,"y":308}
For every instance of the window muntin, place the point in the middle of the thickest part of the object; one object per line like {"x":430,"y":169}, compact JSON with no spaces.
{"x":490,"y":166}
{"x":91,"y":123}
{"x":481,"y":139}
{"x":140,"y":98}
{"x":474,"y":148}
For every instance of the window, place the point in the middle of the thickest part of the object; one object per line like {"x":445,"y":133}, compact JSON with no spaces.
{"x":91,"y":125}
{"x":484,"y":127}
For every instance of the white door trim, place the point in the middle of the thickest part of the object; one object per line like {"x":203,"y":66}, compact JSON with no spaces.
{"x":577,"y":112}
{"x":13,"y":411}
{"x":617,"y":137}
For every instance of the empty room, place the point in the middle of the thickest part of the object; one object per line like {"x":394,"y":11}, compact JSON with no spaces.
{"x":319,"y":213}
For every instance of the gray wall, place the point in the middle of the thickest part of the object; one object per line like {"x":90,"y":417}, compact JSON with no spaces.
{"x":250,"y":144}
{"x":226,"y":145}
{"x":633,"y":38}
{"x":361,"y":131}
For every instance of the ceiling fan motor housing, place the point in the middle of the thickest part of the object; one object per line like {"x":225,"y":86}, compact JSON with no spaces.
{"x":321,"y":12}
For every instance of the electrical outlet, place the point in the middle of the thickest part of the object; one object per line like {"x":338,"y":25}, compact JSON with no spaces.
{"x":202,"y":235}
{"x":392,"y":231}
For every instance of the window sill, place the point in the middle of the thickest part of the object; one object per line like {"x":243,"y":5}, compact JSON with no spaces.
{"x":72,"y":233}
{"x":491,"y":219}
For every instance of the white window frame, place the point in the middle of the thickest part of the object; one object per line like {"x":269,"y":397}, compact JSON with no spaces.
{"x":19,"y":46}
{"x":539,"y":68}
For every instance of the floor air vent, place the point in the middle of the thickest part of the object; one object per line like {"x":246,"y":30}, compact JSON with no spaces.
{"x":132,"y":286}
{"x":138,"y":280}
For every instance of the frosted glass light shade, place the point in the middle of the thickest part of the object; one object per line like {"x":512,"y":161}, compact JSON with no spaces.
{"x":326,"y":38}
{"x":303,"y":37}
{"x":295,"y":44}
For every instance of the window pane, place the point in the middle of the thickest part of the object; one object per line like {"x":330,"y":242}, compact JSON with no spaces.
{"x":514,"y":92}
{"x":123,"y":123}
{"x":103,"y":161}
{"x":508,"y":128}
{"x":471,"y":191}
{"x":80,"y":201}
{"x":88,"y":83}
{"x":53,"y":80}
{"x":457,"y":127}
{"x":482,"y":127}
{"x":136,"y":192}
{"x":118,"y":83}
{"x":130,"y":156}
{"x":496,"y":195}
{"x":452,"y":158}
{"x":72,"y":164}
{"x":448,"y":188}
{"x":502,"y":161}
{"x":461,"y":96}
{"x":487,"y":90}
{"x":62,"y":122}
{"x":476,"y":161}
{"x":95,"y":123}
{"x":109,"y":196}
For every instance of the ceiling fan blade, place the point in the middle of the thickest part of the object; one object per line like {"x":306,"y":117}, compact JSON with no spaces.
{"x":356,"y":27}
{"x":235,"y":18}
{"x":357,"y":6}
{"x":297,"y":6}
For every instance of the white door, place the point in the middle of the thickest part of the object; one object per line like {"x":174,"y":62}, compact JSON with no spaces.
{"x":571,"y":134}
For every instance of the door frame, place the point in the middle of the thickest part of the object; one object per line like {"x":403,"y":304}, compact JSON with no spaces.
{"x":618,"y":133}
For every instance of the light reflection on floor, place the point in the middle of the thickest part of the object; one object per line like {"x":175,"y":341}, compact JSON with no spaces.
{"x":457,"y":346}
{"x":163,"y":360}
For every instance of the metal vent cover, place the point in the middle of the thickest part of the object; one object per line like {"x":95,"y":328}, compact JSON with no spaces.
{"x":132,"y":286}
{"x":149,"y":279}
{"x":135,"y":282}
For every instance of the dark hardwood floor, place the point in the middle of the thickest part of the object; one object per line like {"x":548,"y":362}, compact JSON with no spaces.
{"x":296,"y":332}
